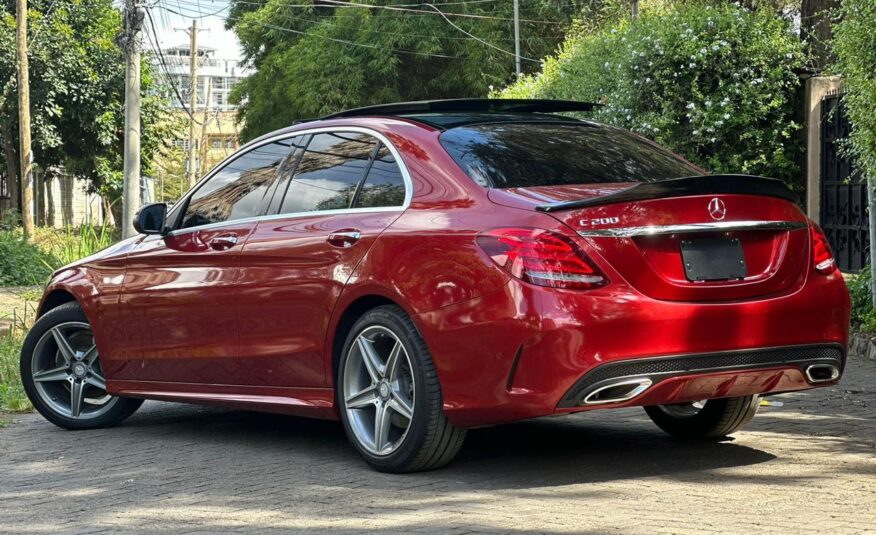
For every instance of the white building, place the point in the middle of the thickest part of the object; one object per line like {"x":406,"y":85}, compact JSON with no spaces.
{"x":216,"y":76}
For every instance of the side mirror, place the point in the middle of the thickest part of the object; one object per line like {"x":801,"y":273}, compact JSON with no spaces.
{"x":150,"y":219}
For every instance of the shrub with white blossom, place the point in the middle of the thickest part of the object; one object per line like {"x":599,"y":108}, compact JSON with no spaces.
{"x":716,"y":83}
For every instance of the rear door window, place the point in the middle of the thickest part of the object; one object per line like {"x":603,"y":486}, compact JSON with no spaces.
{"x":512,"y":155}
{"x":329,"y":172}
{"x":384,"y":185}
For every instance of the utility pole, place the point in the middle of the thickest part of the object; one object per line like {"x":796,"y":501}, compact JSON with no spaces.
{"x":193,"y":101}
{"x":205,"y":122}
{"x":517,"y":36}
{"x":131,"y":189}
{"x":24,"y":121}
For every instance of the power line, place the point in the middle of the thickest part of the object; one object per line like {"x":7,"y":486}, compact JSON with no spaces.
{"x":361,"y":44}
{"x":163,"y":64}
{"x":336,"y":4}
{"x":478,"y":39}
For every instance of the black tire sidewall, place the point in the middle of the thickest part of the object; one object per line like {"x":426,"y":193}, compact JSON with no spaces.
{"x":710,"y":422}
{"x":424,"y":400}
{"x":68,"y":312}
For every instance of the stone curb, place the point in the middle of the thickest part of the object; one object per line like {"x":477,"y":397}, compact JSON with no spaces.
{"x":862,"y":346}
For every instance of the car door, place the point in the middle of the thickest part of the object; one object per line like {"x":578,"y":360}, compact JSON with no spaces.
{"x":348,"y":186}
{"x":178,"y":291}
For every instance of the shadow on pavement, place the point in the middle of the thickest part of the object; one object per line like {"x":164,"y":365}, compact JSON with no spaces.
{"x":539,"y":453}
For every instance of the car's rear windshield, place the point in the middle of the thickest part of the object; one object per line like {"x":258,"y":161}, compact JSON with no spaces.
{"x":512,"y":155}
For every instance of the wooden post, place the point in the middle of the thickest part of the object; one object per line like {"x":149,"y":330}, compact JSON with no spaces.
{"x":24,"y":152}
{"x":193,"y":102}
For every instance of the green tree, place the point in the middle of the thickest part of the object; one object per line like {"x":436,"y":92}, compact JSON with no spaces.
{"x":855,"y":48}
{"x":315,"y":59}
{"x":717,"y":83}
{"x":77,"y":91}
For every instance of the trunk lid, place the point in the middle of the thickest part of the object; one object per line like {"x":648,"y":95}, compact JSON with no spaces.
{"x":640,"y":230}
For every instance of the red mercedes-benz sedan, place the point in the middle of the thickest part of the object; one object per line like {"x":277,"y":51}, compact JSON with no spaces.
{"x":422,"y":268}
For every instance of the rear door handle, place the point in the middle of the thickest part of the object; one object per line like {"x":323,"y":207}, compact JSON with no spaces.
{"x":223,"y":242}
{"x":344,"y":238}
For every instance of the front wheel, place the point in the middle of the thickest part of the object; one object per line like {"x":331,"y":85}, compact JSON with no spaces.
{"x":62,"y":376}
{"x":708,"y":419}
{"x":389,"y":396}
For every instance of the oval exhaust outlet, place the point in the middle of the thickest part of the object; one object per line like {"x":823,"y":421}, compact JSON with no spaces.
{"x":617,"y":391}
{"x":822,"y":373}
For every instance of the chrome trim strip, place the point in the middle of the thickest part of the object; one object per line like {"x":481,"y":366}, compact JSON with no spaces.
{"x":654,"y":230}
{"x":406,"y":177}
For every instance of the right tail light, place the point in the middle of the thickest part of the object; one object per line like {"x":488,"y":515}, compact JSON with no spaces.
{"x":822,"y":257}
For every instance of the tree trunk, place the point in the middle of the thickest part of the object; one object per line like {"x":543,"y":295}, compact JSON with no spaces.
{"x":11,"y":168}
{"x":816,"y":29}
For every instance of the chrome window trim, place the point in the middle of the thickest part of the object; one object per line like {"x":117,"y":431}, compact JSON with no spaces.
{"x":655,"y":230}
{"x":406,"y":178}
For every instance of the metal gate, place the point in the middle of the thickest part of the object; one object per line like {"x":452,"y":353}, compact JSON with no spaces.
{"x":844,"y":214}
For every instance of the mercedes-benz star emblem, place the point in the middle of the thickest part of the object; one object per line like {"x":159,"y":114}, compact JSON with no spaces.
{"x":717,"y":209}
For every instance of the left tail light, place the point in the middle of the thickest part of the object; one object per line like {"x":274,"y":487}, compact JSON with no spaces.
{"x":541,"y":257}
{"x":822,"y":256}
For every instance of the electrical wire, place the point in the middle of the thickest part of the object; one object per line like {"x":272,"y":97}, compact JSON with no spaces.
{"x":163,"y":65}
{"x":478,"y":39}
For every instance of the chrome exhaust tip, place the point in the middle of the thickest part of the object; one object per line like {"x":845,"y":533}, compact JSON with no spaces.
{"x":822,"y":373}
{"x":618,"y":391}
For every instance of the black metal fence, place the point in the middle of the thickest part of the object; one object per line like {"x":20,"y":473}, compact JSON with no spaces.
{"x":844,"y":213}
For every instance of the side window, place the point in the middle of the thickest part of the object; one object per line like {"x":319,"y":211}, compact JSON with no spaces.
{"x":237,"y":190}
{"x":298,"y":144}
{"x":329,"y":172}
{"x":384,"y":185}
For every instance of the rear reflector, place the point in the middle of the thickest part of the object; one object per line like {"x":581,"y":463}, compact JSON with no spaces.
{"x":822,"y":256}
{"x":541,"y":257}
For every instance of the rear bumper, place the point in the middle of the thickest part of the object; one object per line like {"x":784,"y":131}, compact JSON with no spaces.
{"x":754,"y":371}
{"x":525,"y":351}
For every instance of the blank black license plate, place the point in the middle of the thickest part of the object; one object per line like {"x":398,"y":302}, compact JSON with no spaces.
{"x":713,"y":259}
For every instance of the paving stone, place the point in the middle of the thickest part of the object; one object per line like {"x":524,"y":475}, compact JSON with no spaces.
{"x":808,"y":466}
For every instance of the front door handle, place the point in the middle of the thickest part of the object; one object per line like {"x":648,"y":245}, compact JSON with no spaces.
{"x":344,"y":238}
{"x":223,"y":242}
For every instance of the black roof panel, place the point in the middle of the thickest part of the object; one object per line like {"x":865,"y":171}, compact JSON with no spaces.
{"x":446,"y":121}
{"x":469,"y":105}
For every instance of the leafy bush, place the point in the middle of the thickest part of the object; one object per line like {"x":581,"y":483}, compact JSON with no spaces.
{"x":23,"y":263}
{"x":863,"y":313}
{"x":716,"y":83}
{"x":855,"y":47}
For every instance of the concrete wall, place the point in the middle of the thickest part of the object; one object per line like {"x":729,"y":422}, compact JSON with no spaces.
{"x":64,"y":201}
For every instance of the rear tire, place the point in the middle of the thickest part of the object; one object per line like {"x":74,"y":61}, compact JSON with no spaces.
{"x":716,"y":419}
{"x":52,"y":374}
{"x":406,"y":383}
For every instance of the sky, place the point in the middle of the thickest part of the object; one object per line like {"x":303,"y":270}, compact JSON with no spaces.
{"x":169,"y":25}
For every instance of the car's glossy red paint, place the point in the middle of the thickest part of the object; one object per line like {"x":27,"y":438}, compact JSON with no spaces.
{"x":257,"y":325}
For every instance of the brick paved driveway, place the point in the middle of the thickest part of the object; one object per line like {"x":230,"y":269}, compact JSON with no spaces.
{"x":809,"y":466}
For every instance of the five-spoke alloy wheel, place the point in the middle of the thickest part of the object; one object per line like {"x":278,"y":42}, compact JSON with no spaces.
{"x":389,"y":397}
{"x":378,"y":390}
{"x":62,"y":376}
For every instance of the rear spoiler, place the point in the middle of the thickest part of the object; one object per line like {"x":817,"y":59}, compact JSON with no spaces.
{"x":681,"y":187}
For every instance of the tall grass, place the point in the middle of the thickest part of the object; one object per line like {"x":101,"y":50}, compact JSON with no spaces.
{"x":72,"y":243}
{"x":12,"y":396}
